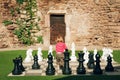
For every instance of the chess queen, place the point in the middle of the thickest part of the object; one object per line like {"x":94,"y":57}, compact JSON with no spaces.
{"x":60,"y":48}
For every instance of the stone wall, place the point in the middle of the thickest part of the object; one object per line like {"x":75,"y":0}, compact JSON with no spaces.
{"x":88,"y":22}
{"x":7,"y":38}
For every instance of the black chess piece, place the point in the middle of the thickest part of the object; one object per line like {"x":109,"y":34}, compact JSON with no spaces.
{"x":35,"y":65}
{"x":90,"y":63}
{"x":16,"y":70}
{"x":109,"y":67}
{"x":66,"y":69}
{"x":81,"y":68}
{"x":50,"y":70}
{"x":20,"y":63}
{"x":97,"y":68}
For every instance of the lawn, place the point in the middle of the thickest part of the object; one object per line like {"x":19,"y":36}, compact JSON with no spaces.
{"x":6,"y":66}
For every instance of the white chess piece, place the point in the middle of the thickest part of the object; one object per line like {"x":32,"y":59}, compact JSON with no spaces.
{"x":86,"y":54}
{"x":73,"y":57}
{"x":95,"y":52}
{"x":106,"y":53}
{"x":50,"y":50}
{"x":84,"y":50}
{"x":110,"y":51}
{"x":86,"y":57}
{"x":39,"y":54}
{"x":29,"y":56}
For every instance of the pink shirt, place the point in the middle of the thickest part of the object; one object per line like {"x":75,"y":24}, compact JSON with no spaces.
{"x":60,"y":47}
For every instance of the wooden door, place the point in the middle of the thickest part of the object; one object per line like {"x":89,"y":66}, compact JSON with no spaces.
{"x":57,"y":27}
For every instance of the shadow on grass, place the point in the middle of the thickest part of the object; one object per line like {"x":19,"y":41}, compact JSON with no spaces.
{"x":104,"y":76}
{"x":91,"y":77}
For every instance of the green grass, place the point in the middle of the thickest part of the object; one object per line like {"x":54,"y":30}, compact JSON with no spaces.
{"x":6,"y":66}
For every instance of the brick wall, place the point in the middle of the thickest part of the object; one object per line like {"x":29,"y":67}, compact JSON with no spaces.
{"x":92,"y":22}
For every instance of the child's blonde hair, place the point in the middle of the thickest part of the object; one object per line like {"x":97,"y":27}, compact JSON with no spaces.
{"x":59,"y":39}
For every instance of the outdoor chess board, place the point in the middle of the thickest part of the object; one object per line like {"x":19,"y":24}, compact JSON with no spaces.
{"x":73,"y":65}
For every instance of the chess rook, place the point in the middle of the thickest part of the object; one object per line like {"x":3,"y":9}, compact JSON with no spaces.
{"x":20,"y":63}
{"x":16,"y":70}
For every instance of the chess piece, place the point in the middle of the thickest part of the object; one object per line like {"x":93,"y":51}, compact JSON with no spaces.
{"x":97,"y":68}
{"x":39,"y":54}
{"x":86,"y":53}
{"x":81,"y":68}
{"x":90,"y":63}
{"x":29,"y":56}
{"x":50,"y":69}
{"x":95,"y":52}
{"x":84,"y":50}
{"x":66,"y":69}
{"x":110,"y":51}
{"x":20,"y":63}
{"x":106,"y":53}
{"x":50,"y":50}
{"x":16,"y":70}
{"x":109,"y":67}
{"x":73,"y":57}
{"x":35,"y":65}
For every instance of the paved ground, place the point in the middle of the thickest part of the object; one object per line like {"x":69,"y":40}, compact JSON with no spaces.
{"x":73,"y":65}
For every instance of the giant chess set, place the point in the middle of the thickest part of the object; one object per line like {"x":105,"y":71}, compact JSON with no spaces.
{"x":87,"y":63}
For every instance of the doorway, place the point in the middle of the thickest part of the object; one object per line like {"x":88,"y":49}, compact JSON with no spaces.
{"x":57,"y":27}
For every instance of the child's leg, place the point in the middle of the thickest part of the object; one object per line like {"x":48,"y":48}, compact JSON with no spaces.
{"x":60,"y":61}
{"x":58,"y":58}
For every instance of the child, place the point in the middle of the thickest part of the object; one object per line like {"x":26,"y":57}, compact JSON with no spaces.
{"x":60,"y":48}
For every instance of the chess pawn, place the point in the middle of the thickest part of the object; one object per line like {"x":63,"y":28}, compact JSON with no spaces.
{"x":16,"y":70}
{"x":20,"y":63}
{"x":97,"y":68}
{"x":81,"y":68}
{"x":50,"y":70}
{"x":109,"y":67}
{"x":66,"y":69}
{"x":90,"y":63}
{"x":35,"y":65}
